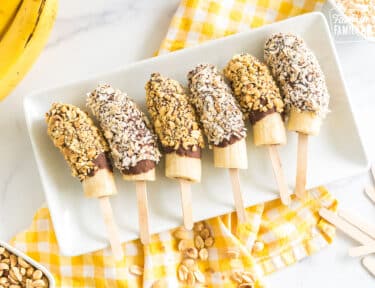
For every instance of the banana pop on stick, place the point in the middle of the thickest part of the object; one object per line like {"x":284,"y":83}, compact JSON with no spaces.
{"x":304,"y":90}
{"x":86,"y":153}
{"x":260,"y":100}
{"x":176,"y":125}
{"x":222,"y":123}
{"x":133,"y":145}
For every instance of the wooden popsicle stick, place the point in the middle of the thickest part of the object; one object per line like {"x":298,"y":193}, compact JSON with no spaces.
{"x":279,"y":174}
{"x":113,"y":235}
{"x":237,"y":194}
{"x":301,"y":166}
{"x":362,"y":250}
{"x":373,"y":171}
{"x":370,"y":192}
{"x":345,"y":227}
{"x":187,"y":210}
{"x":369,"y":263}
{"x":358,"y":222}
{"x":143,"y":214}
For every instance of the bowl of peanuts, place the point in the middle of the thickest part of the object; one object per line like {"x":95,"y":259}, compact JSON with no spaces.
{"x":18,"y":270}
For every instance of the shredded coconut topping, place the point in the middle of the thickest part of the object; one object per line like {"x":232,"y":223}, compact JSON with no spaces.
{"x":173,"y":116}
{"x":126,"y":128}
{"x":219,"y":113}
{"x":297,"y":70}
{"x":361,"y":13}
{"x":76,"y":136}
{"x":253,"y":85}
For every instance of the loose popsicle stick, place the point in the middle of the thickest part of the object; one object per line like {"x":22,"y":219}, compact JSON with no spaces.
{"x":301,"y":166}
{"x":345,"y":227}
{"x":373,"y":171}
{"x":187,"y":210}
{"x":370,"y":192}
{"x":143,"y":213}
{"x":358,"y":222}
{"x":237,"y":194}
{"x":363,"y":250}
{"x":369,"y":263}
{"x":279,"y":174}
{"x":113,"y":235}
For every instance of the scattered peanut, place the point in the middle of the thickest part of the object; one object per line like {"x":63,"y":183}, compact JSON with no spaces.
{"x":205,"y":233}
{"x":191,"y":253}
{"x":185,"y":244}
{"x":198,"y":227}
{"x":258,"y":246}
{"x":181,"y":234}
{"x":244,"y":279}
{"x":199,"y":242}
{"x":136,"y":270}
{"x":203,"y":254}
{"x":199,"y":276}
{"x":182,"y":272}
{"x":189,"y":263}
{"x":233,"y":253}
{"x":192,"y":248}
{"x":190,"y":278}
{"x":236,"y":277}
{"x":209,"y":242}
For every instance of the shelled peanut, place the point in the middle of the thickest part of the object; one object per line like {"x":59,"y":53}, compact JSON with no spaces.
{"x":242,"y":278}
{"x":193,"y":246}
{"x":15,"y":272}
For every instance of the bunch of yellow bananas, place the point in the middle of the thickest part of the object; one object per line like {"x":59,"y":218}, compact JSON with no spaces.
{"x":24,"y":29}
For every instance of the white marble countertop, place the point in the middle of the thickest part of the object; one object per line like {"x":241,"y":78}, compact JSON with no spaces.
{"x":109,"y":34}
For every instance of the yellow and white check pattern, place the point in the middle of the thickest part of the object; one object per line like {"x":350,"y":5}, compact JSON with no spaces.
{"x":196,"y":21}
{"x":288,"y":234}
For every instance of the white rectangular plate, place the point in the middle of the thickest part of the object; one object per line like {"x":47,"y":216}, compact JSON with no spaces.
{"x":337,"y":152}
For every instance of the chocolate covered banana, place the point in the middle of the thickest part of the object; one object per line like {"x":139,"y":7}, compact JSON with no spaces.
{"x":133,"y":144}
{"x":179,"y":133}
{"x":220,"y":116}
{"x":176,"y":125}
{"x":260,"y":100}
{"x":304,"y":90}
{"x":222,"y":122}
{"x":83,"y":147}
{"x":86,"y":152}
{"x":301,"y":81}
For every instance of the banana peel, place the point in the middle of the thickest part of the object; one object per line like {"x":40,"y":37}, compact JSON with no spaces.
{"x":8,"y":10}
{"x":23,"y":41}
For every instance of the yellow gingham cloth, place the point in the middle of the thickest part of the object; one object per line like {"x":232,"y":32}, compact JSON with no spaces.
{"x":288,"y":234}
{"x":196,"y":21}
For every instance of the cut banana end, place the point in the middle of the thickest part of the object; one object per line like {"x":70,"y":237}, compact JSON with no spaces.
{"x":231,"y":156}
{"x":304,"y":122}
{"x":270,"y":130}
{"x":100,"y":185}
{"x":147,"y":176}
{"x":180,"y":167}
